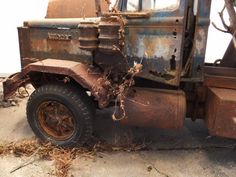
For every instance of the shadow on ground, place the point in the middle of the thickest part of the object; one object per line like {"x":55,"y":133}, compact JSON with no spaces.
{"x":189,"y":152}
{"x":193,"y":136}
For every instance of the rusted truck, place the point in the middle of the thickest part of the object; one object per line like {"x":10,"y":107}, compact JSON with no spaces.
{"x":144,"y":58}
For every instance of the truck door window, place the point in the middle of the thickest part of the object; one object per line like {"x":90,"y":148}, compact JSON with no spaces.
{"x":148,"y":4}
{"x":160,"y":4}
{"x":154,"y":5}
{"x":132,"y":5}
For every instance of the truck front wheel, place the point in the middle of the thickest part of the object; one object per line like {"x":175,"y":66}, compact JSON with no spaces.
{"x":60,"y":114}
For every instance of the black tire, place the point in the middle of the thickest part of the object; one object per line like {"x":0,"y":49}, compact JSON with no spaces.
{"x":78,"y":106}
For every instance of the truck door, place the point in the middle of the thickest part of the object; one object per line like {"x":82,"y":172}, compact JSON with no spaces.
{"x":154,"y":35}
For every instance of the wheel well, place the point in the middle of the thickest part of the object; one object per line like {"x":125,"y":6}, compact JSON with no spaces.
{"x":38,"y":79}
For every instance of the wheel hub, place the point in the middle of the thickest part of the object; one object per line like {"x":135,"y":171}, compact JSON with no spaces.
{"x":56,"y":120}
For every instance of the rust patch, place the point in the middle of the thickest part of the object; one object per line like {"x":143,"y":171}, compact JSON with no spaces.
{"x":220,"y":77}
{"x":56,"y":120}
{"x":109,"y":34}
{"x":81,"y":73}
{"x":88,"y":36}
{"x":75,"y":8}
{"x":154,"y":108}
{"x":221,"y":112}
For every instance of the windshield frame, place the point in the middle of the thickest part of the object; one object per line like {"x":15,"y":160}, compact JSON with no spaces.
{"x":121,"y":5}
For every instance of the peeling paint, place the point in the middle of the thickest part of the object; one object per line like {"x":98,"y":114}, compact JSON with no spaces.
{"x":200,"y":42}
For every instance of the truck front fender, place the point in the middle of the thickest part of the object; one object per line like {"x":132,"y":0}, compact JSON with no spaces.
{"x":81,"y":73}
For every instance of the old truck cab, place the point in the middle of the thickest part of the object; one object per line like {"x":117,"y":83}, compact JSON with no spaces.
{"x":146,"y":57}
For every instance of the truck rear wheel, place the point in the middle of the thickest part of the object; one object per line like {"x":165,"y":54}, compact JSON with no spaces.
{"x":60,"y":114}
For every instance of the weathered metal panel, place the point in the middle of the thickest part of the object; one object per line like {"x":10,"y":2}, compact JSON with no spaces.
{"x":81,"y":73}
{"x":24,"y":44}
{"x":220,"y":77}
{"x":12,"y":83}
{"x":201,"y":33}
{"x":74,"y":8}
{"x":155,"y":108}
{"x":221,"y":112}
{"x":157,"y":42}
{"x":109,"y":35}
{"x":42,"y":43}
{"x":88,"y":36}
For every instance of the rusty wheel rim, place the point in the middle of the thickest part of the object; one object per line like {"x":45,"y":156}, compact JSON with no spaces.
{"x":56,"y":120}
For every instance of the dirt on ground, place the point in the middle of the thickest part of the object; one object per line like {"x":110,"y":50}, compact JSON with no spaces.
{"x":115,"y":150}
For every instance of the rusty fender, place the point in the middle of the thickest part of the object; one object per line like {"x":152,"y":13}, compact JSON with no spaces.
{"x":155,"y":108}
{"x":81,"y":73}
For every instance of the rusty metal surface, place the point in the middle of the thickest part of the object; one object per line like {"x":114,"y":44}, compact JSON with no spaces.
{"x":155,"y":108}
{"x":221,"y":77}
{"x":42,"y":43}
{"x":109,"y":34}
{"x":56,"y":120}
{"x":75,"y":8}
{"x":220,"y":81}
{"x":220,"y":71}
{"x":157,"y":42}
{"x":200,"y":40}
{"x":54,"y":38}
{"x":88,"y":36}
{"x":221,"y":112}
{"x":13,"y":83}
{"x":81,"y":73}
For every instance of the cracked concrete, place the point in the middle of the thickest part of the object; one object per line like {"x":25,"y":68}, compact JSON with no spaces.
{"x":37,"y":169}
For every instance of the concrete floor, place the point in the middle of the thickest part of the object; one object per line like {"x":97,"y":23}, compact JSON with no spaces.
{"x":190,"y":152}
